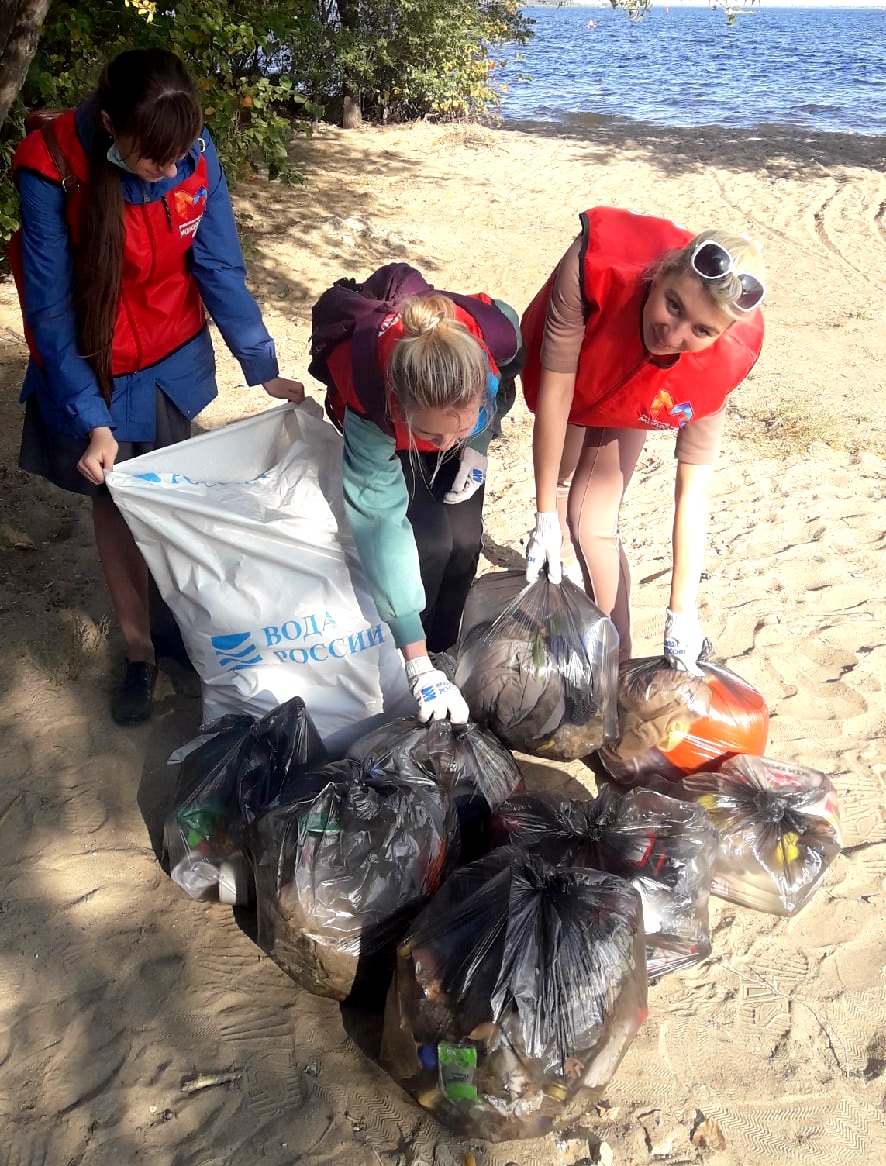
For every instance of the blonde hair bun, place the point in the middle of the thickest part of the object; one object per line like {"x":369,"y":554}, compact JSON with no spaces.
{"x":422,"y":314}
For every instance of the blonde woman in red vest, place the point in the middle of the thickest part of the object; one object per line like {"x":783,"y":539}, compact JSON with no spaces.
{"x":643,"y":325}
{"x":127,"y":237}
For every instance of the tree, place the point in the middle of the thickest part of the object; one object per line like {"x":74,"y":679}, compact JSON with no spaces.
{"x":403,"y":59}
{"x":351,"y":115}
{"x":20,"y":25}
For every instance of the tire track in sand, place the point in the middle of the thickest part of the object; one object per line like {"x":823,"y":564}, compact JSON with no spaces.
{"x":839,"y":217}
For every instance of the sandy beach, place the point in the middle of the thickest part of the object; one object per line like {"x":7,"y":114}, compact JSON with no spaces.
{"x":116,"y":990}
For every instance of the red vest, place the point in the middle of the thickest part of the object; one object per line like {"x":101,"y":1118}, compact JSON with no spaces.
{"x":366,"y":398}
{"x":160,"y":306}
{"x":617,"y":384}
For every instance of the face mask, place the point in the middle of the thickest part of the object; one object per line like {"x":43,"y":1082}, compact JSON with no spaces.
{"x":116,"y":157}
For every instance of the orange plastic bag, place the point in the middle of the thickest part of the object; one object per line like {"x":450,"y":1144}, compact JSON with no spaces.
{"x":672,"y":724}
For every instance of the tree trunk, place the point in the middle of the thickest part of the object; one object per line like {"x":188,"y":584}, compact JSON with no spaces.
{"x":351,"y":117}
{"x":21,"y":22}
{"x":349,"y":14}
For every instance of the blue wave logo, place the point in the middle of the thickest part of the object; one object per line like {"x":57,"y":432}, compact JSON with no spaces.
{"x":236,"y":652}
{"x":684,"y":413}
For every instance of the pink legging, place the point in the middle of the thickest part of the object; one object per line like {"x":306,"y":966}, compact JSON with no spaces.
{"x":595,"y":470}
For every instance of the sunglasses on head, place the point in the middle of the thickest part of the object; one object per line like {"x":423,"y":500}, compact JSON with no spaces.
{"x":710,"y":260}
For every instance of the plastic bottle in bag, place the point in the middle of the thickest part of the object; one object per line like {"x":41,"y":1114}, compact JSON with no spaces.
{"x":672,"y":723}
{"x":664,"y":847}
{"x":538,"y":665}
{"x":779,"y":828}
{"x":471,"y":765}
{"x":343,"y":860}
{"x":517,"y":991}
{"x":236,"y":767}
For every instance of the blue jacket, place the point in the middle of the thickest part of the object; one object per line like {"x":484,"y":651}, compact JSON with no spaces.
{"x":67,"y":390}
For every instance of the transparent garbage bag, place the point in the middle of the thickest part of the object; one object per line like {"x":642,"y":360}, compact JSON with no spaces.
{"x":664,"y":847}
{"x":671,"y":723}
{"x":343,"y":860}
{"x":779,"y":828}
{"x":538,"y":666}
{"x":227,"y":775}
{"x":473,"y":766}
{"x":517,"y":991}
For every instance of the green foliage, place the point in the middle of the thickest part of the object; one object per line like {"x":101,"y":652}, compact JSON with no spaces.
{"x":249,"y":111}
{"x":13,"y":128}
{"x":404,"y":59}
{"x":636,"y":9}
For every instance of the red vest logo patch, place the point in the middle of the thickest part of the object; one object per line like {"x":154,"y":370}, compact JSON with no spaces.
{"x":189,"y":208}
{"x":662,"y":404}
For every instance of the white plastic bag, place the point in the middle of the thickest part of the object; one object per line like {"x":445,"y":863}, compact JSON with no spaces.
{"x":244,"y":533}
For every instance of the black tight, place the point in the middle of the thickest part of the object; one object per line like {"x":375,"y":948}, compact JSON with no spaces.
{"x":448,"y":538}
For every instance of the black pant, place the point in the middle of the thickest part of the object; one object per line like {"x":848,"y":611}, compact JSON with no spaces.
{"x":448,"y":539}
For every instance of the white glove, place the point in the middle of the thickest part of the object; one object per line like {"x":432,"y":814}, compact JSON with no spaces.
{"x":438,"y":698}
{"x":470,"y":476}
{"x":544,"y":547}
{"x":683,"y":640}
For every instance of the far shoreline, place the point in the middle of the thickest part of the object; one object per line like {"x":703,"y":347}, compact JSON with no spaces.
{"x":729,"y":144}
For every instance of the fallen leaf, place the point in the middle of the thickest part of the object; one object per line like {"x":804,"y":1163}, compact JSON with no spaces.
{"x":16,"y":539}
{"x":708,"y":1135}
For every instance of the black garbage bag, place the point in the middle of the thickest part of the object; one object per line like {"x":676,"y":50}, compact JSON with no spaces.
{"x":538,"y":666}
{"x":235,"y":768}
{"x":664,"y":847}
{"x":779,"y":828}
{"x":471,"y":765}
{"x":517,"y":991}
{"x":343,"y":861}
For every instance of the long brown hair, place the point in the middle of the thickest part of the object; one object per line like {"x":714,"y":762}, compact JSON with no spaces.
{"x":148,"y":96}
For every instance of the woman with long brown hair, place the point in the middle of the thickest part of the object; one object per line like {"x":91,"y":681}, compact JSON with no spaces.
{"x":127,"y":238}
